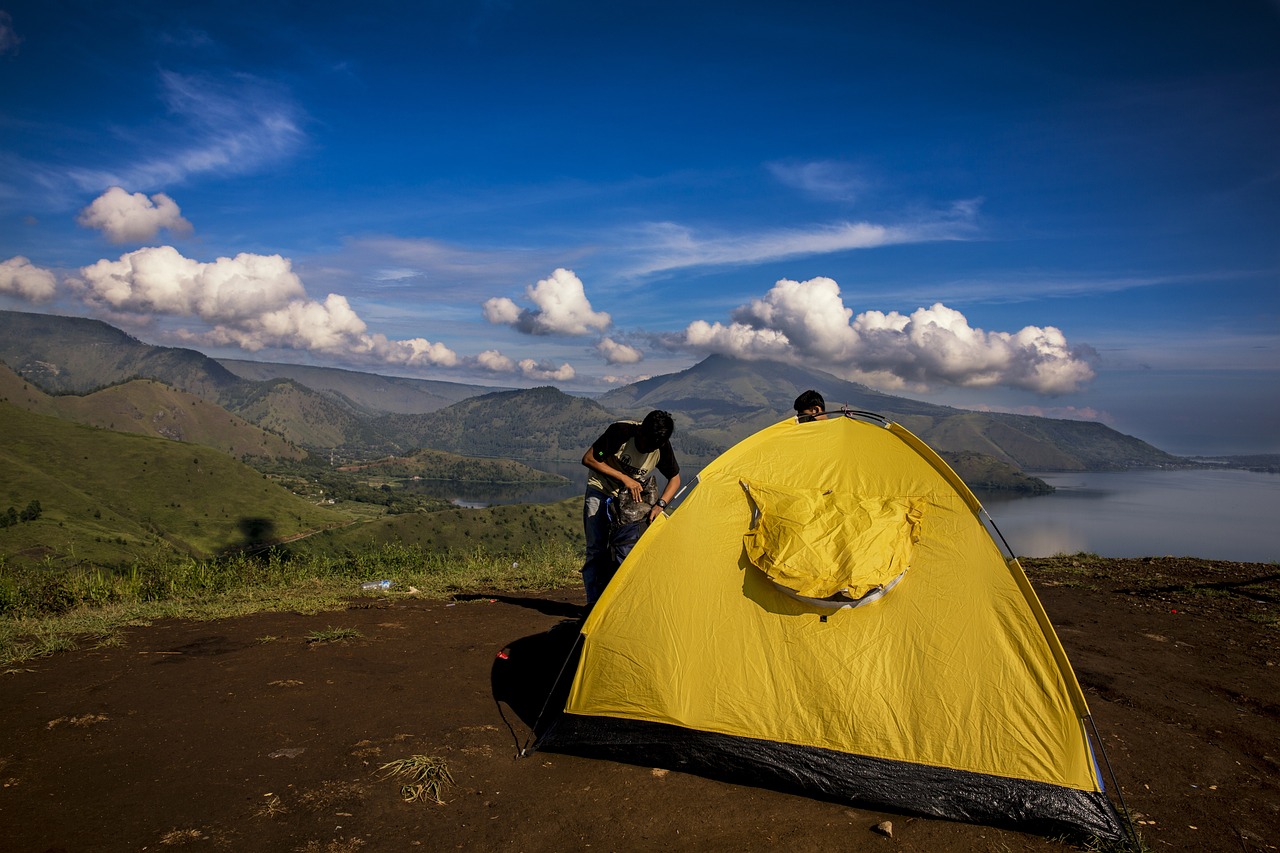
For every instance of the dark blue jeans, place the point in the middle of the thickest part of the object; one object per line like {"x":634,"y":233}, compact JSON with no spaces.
{"x":598,"y":567}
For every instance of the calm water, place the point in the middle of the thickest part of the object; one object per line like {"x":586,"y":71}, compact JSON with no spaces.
{"x":1220,"y":515}
{"x":1215,"y":514}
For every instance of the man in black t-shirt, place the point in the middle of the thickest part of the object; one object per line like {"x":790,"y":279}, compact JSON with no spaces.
{"x":620,"y":461}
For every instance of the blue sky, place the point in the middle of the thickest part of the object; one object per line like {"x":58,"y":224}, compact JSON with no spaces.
{"x":1070,"y":209}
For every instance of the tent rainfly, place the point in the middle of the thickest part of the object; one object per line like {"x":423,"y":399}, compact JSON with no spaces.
{"x":827,"y":611}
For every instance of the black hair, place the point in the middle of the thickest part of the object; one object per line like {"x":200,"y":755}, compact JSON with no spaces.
{"x":655,"y":430}
{"x":808,"y":400}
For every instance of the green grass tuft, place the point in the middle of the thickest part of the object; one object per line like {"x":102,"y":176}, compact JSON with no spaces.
{"x":333,"y":635}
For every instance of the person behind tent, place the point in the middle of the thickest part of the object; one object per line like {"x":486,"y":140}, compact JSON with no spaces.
{"x":810,"y":406}
{"x":619,"y":462}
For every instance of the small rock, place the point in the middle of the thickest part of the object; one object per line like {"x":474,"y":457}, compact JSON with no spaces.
{"x":885,"y":828}
{"x":292,"y":752}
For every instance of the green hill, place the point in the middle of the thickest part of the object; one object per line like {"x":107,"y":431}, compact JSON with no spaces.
{"x":72,"y":355}
{"x":538,"y":423}
{"x":310,"y":419}
{"x":495,"y":529}
{"x":369,"y":391}
{"x":442,"y":465}
{"x":109,"y":497}
{"x":146,"y":407}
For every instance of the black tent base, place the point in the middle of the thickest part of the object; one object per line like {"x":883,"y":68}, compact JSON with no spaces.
{"x":1036,"y":807}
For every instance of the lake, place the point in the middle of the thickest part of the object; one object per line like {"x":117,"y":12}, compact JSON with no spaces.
{"x":1214,"y":514}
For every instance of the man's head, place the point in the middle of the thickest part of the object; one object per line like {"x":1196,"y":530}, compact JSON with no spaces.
{"x":809,"y":406}
{"x":655,"y":430}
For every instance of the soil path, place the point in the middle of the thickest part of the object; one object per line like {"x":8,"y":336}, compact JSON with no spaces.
{"x":241,"y":734}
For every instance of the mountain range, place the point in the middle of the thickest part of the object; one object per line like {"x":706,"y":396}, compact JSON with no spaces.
{"x":355,"y":415}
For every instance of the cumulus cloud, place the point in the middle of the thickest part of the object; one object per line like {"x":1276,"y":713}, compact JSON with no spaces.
{"x":251,"y":301}
{"x":560,"y":307}
{"x":544,"y":370}
{"x":615,"y":379}
{"x":808,"y":322}
{"x":618,"y":353}
{"x":501,"y":311}
{"x":132,"y":217}
{"x":495,"y":362}
{"x":19,"y":277}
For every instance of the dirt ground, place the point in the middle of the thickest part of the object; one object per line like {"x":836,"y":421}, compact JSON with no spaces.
{"x":250,"y":734}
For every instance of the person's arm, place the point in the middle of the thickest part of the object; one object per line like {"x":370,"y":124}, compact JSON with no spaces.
{"x":673,"y":486}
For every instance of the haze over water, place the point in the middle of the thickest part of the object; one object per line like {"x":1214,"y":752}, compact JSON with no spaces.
{"x":1214,"y":514}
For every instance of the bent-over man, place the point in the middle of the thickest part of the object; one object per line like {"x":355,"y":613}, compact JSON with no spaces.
{"x":619,"y":462}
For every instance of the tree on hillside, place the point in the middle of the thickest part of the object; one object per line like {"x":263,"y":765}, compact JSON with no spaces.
{"x":13,"y":517}
{"x":32,"y":512}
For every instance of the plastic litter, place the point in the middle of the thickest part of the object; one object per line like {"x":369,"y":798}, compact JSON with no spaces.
{"x":371,"y":585}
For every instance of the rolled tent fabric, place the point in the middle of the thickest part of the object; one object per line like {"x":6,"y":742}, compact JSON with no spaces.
{"x":821,"y":543}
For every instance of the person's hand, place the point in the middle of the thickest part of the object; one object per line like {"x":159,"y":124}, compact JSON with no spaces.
{"x":654,"y":512}
{"x":634,"y":487}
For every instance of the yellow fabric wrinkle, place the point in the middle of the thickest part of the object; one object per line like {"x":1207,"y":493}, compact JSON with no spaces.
{"x":820,"y":542}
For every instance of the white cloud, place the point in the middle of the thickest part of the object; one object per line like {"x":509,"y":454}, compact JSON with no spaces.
{"x":825,"y":179}
{"x":19,"y":277}
{"x":125,"y":217}
{"x":251,"y":301}
{"x":615,"y":379}
{"x":808,"y":322}
{"x":667,"y":246}
{"x":736,"y":339}
{"x":618,"y":353}
{"x":232,"y":125}
{"x":560,"y":307}
{"x":160,"y":280}
{"x":811,"y":314}
{"x":501,"y":311}
{"x":543,"y":370}
{"x":9,"y":39}
{"x":495,"y":362}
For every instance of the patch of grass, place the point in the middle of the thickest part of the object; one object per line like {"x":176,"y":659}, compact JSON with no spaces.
{"x":337,"y":845}
{"x":50,"y":610}
{"x":271,"y":808}
{"x":427,"y":776}
{"x":1126,"y":845}
{"x":181,"y":836}
{"x":333,"y":635}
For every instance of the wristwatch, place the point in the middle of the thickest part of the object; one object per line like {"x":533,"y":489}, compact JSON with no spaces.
{"x":661,"y":504}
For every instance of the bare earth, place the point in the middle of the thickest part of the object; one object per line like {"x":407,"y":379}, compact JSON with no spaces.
{"x":242,"y":735}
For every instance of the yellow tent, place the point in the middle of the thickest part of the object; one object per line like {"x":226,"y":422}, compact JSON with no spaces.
{"x":826,"y":610}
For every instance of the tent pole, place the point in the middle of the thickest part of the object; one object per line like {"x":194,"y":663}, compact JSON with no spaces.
{"x":1134,"y":842}
{"x":554,"y":686}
